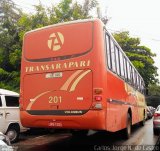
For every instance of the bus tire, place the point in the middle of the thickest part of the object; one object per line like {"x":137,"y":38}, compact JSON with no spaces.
{"x":155,"y":131}
{"x":142,"y":123}
{"x":127,"y":130}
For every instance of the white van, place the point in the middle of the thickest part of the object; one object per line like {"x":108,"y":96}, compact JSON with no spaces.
{"x":10,"y":115}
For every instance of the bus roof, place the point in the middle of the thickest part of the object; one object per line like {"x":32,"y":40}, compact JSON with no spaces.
{"x":66,"y":23}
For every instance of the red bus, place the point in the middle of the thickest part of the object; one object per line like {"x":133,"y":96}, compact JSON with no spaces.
{"x":75,"y":76}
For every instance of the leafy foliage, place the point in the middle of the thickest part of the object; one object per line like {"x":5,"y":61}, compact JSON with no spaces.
{"x":14,"y":23}
{"x":9,"y":45}
{"x":154,"y":89}
{"x":140,"y":56}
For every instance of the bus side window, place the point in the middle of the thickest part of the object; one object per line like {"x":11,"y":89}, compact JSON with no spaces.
{"x":131,"y":72}
{"x":108,"y":51}
{"x":133,"y":77}
{"x":121,"y":64}
{"x":125,"y":68}
{"x":0,"y":102}
{"x":113,"y":56}
{"x":117,"y":60}
{"x":138,"y":82}
{"x":143,"y":88}
{"x":128,"y":72}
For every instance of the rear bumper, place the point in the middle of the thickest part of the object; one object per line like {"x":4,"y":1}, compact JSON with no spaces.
{"x":93,"y":119}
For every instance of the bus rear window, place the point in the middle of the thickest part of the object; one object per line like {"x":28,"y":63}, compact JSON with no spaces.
{"x":62,"y":41}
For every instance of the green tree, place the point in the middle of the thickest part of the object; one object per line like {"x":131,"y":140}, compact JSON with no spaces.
{"x":14,"y":23}
{"x":154,"y":90}
{"x":140,"y":56}
{"x":66,"y":10}
{"x":10,"y":46}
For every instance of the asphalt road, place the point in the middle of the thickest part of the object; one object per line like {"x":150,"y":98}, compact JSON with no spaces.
{"x":142,"y":138}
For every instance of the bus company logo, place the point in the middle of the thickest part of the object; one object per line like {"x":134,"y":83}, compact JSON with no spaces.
{"x":55,"y":41}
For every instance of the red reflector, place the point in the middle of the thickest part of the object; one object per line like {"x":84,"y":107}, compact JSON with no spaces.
{"x":98,"y":98}
{"x":156,"y":114}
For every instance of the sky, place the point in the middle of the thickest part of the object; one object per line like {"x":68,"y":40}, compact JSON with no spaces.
{"x":140,"y":17}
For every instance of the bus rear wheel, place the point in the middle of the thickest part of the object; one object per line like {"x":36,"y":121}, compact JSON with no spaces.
{"x":127,"y":131}
{"x":142,"y":123}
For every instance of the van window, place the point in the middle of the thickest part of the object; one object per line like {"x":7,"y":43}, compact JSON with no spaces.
{"x":0,"y":102}
{"x":12,"y":101}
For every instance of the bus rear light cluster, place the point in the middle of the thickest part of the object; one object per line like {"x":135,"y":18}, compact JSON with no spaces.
{"x":98,"y":98}
{"x":98,"y":90}
{"x":98,"y":106}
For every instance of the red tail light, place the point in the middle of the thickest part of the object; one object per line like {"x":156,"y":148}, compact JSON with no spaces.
{"x":98,"y":98}
{"x":156,"y":114}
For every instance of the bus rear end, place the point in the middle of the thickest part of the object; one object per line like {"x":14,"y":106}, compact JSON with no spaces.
{"x":57,"y":78}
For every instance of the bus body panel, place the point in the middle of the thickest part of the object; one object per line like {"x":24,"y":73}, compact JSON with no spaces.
{"x":115,"y":97}
{"x":73,"y":92}
{"x":37,"y":90}
{"x":58,"y":92}
{"x":90,"y":120}
{"x":120,"y":97}
{"x":60,"y":41}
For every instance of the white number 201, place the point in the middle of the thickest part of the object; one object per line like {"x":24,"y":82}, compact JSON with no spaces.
{"x":55,"y":99}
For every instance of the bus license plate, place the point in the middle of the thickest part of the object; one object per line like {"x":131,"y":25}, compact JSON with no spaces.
{"x":55,"y":124}
{"x":54,"y":75}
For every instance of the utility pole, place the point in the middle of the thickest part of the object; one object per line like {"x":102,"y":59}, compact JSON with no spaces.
{"x":104,"y":18}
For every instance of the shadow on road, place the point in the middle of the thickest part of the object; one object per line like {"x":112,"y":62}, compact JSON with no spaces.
{"x":62,"y":140}
{"x":95,"y":140}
